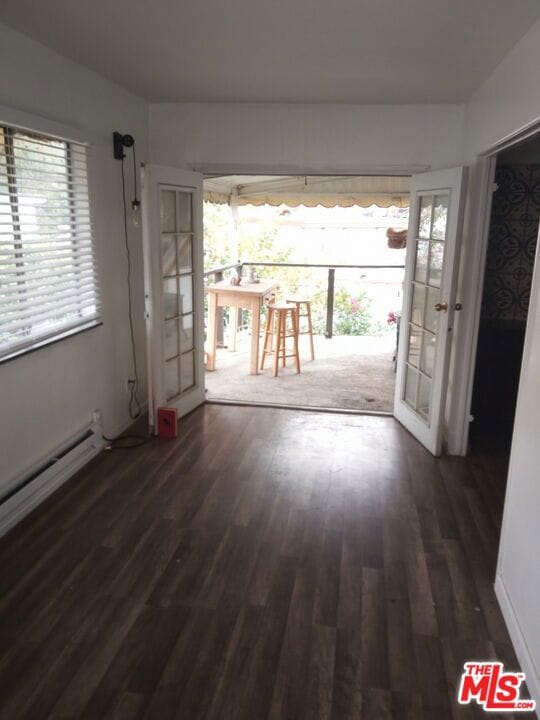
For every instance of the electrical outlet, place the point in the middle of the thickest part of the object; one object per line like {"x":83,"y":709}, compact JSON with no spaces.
{"x":96,"y":417}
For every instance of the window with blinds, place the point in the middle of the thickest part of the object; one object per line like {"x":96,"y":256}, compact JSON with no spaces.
{"x":47,"y":273}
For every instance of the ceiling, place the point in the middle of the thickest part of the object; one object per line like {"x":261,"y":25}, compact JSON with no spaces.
{"x":344,"y":51}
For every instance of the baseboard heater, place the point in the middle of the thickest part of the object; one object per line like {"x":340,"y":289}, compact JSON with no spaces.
{"x":30,"y":490}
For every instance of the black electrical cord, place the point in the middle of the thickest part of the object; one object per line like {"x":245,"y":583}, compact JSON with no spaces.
{"x":127,"y":442}
{"x":133,"y":397}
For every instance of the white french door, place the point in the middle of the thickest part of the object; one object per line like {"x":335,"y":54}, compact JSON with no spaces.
{"x":429,"y":296}
{"x":173,"y":258}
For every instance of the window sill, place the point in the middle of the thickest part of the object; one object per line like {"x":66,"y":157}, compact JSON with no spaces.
{"x":38,"y":345}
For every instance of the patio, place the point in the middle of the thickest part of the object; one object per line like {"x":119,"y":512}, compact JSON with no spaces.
{"x":349,"y":372}
{"x":323,"y":238}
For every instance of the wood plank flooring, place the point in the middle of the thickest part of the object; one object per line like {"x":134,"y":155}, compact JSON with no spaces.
{"x":266,"y":564}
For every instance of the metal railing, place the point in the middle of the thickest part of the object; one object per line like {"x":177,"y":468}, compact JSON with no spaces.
{"x":218,"y":274}
{"x":220,"y":270}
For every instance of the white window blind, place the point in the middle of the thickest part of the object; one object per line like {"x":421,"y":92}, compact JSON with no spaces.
{"x":47,"y":272}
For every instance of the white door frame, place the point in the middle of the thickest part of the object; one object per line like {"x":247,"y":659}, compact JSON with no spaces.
{"x":479,"y":221}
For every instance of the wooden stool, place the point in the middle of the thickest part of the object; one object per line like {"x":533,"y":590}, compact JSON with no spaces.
{"x":269,"y":316}
{"x":299,"y":302}
{"x":276,"y":325}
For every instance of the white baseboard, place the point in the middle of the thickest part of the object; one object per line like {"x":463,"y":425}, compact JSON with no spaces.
{"x":23,"y":501}
{"x":519,"y":642}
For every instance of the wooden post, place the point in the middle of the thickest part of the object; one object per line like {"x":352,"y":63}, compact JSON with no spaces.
{"x":218,"y":276}
{"x":239,"y":312}
{"x":330,"y":303}
{"x":212,"y":332}
{"x":255,"y":330}
{"x":234,"y":249}
{"x":233,"y":328}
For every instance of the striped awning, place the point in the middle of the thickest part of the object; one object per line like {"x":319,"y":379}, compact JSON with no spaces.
{"x":312,"y":190}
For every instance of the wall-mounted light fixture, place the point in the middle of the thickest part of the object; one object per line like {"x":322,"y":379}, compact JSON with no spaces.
{"x":121,"y":141}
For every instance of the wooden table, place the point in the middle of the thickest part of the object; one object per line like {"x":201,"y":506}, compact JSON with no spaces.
{"x":249,"y":296}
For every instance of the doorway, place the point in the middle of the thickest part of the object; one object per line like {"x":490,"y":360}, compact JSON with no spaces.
{"x":511,"y":249}
{"x":429,"y":288}
{"x":325,"y":239}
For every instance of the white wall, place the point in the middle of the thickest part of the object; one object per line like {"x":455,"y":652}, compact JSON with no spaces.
{"x":321,"y":138}
{"x":508,"y":101}
{"x":48,"y":395}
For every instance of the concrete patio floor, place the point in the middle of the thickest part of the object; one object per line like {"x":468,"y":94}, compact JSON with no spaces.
{"x":349,"y":372}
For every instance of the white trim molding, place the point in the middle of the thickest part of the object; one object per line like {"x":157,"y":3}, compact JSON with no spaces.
{"x":37,"y":123}
{"x":473,"y":261}
{"x":526,"y":132}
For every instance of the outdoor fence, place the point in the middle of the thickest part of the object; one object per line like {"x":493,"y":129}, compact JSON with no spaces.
{"x":346,"y":299}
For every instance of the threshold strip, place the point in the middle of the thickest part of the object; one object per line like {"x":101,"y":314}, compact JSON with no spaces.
{"x":303,"y":408}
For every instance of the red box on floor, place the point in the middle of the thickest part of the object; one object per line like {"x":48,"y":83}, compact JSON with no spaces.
{"x":167,"y":422}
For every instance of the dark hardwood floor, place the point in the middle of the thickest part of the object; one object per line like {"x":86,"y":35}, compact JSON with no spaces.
{"x":266,"y":564}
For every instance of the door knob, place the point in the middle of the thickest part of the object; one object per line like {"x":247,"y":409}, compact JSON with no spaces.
{"x":441,"y":306}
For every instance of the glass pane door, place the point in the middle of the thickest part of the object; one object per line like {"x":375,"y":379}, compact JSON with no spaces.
{"x":177,"y":277}
{"x":429,"y":293}
{"x":422,"y":327}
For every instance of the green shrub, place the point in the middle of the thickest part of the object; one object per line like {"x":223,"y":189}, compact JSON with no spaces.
{"x":352,"y":314}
